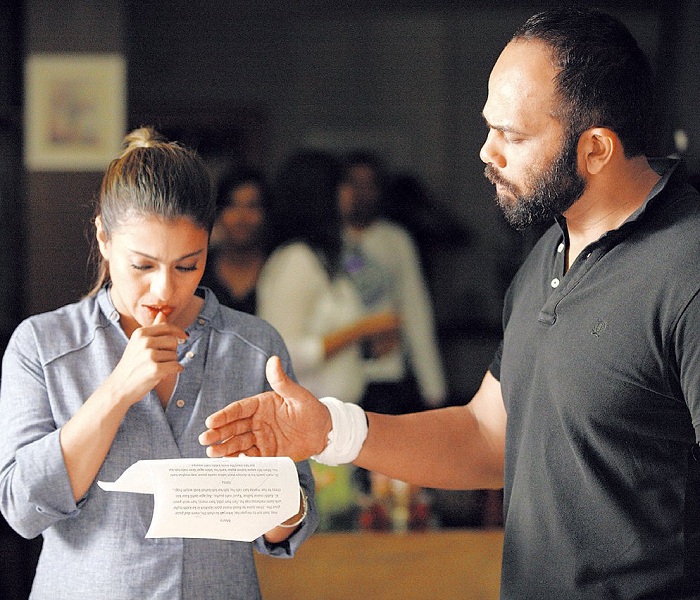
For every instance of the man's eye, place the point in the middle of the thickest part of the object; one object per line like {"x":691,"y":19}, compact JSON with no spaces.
{"x":514,"y":139}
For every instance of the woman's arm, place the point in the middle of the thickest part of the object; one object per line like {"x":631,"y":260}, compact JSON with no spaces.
{"x":379,"y":327}
{"x":150,"y":356}
{"x":289,"y":290}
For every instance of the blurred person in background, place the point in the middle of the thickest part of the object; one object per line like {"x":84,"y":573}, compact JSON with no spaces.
{"x":303,"y":289}
{"x":305,"y":293}
{"x":385,"y":265}
{"x":383,"y":261}
{"x":239,"y":242}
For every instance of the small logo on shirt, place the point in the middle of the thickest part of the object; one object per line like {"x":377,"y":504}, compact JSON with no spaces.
{"x":599,"y":328}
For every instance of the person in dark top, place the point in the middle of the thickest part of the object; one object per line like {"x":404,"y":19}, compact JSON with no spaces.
{"x":589,"y":414}
{"x":238,"y":250}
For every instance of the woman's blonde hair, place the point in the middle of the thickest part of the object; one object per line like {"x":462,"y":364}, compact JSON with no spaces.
{"x":152,"y":176}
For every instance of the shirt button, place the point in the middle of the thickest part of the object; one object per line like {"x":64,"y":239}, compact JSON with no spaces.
{"x":201,"y":321}
{"x":560,"y":248}
{"x":555,"y":283}
{"x":180,"y":403}
{"x":189,"y":354}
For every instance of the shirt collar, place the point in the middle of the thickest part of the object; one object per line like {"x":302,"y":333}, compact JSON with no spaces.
{"x":665,"y":167}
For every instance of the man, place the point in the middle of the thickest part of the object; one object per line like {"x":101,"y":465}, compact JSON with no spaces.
{"x":589,"y":414}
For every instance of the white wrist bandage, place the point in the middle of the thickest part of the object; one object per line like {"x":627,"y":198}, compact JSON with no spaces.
{"x":348,"y":433}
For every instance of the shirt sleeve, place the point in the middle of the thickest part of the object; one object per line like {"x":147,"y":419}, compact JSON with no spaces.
{"x":288,"y":288}
{"x":288,"y":547}
{"x":417,"y":317}
{"x":495,"y":366}
{"x":35,"y":490}
{"x":686,"y":366}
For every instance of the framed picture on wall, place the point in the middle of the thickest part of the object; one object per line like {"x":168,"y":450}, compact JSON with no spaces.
{"x":74,"y":111}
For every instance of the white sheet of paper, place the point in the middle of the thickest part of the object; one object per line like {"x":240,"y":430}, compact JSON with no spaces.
{"x":215,"y":498}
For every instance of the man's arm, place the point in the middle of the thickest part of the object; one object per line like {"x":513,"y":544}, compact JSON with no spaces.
{"x":460,"y":447}
{"x":456,"y":447}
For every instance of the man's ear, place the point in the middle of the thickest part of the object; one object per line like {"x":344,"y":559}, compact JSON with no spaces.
{"x":596,"y":147}
{"x":101,"y":236}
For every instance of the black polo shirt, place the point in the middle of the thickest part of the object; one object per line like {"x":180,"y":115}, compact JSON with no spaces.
{"x":600,"y":373}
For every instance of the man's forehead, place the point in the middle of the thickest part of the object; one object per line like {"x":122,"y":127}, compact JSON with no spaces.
{"x":521,"y":81}
{"x":525,"y":62}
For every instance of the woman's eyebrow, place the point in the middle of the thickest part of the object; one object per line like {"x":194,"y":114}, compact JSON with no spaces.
{"x":185,"y":257}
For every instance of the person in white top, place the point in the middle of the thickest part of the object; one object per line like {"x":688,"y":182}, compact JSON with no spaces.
{"x":303,"y":291}
{"x":384,"y":263}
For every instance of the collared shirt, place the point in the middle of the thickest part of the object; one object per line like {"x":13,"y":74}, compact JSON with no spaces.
{"x":96,"y":548}
{"x":600,"y":374}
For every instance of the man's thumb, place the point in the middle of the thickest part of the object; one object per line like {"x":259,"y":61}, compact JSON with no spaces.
{"x":277,"y":378}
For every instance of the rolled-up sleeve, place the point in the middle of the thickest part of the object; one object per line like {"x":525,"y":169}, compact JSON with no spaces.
{"x":288,"y":547}
{"x":288,"y":291}
{"x":35,"y":490}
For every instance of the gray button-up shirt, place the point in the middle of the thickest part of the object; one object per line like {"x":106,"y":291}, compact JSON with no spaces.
{"x":97,"y":548}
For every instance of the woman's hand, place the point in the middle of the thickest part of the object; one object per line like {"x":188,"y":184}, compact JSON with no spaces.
{"x":380,"y":328}
{"x":380,"y":324}
{"x":150,"y":356}
{"x":382,"y":333}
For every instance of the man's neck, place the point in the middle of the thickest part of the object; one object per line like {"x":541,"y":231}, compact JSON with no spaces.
{"x":609,"y":200}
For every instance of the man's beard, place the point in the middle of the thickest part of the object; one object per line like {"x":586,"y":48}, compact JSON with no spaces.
{"x":553,"y":190}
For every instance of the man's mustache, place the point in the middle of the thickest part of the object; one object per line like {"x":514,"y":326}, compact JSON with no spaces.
{"x":495,"y":177}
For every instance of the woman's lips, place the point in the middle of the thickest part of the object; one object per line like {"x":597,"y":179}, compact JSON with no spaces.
{"x":166,"y":310}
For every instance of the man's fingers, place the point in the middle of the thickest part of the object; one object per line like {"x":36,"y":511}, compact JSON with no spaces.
{"x":225,"y":431}
{"x":232,"y":446}
{"x":236,"y":411}
{"x":160,"y":318}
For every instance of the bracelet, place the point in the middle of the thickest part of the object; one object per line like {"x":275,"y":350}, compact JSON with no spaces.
{"x":304,"y":511}
{"x":348,"y":432}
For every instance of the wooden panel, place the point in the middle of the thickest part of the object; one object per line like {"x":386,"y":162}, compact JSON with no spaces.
{"x":384,"y":566}
{"x":59,"y":237}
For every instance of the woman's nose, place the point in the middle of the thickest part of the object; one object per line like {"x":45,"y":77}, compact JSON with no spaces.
{"x":162,"y":284}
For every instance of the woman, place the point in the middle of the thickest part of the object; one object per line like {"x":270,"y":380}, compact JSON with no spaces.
{"x":129,"y":373}
{"x":238,"y":251}
{"x":303,"y":290}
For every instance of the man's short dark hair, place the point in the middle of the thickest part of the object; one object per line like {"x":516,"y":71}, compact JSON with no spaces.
{"x":605,"y":80}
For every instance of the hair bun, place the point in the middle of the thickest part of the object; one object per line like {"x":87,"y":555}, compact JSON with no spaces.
{"x":143,"y":137}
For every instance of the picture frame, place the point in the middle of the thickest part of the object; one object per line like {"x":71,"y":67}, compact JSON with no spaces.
{"x":74,"y":112}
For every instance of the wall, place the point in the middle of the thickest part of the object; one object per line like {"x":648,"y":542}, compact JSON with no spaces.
{"x":407,"y":78}
{"x":59,"y":204}
{"x":11,"y":180}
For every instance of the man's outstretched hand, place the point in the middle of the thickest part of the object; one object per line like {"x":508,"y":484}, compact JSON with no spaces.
{"x":288,"y":421}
